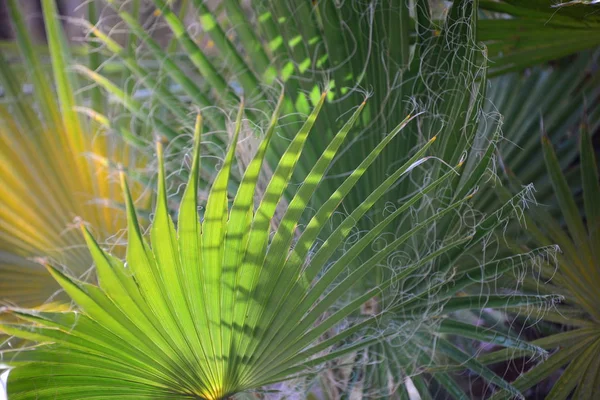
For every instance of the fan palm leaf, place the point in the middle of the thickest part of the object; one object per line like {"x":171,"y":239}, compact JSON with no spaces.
{"x":564,"y":96}
{"x":214,"y":307}
{"x":576,"y":347}
{"x":56,"y":165}
{"x":437,"y":70}
{"x":558,"y":95}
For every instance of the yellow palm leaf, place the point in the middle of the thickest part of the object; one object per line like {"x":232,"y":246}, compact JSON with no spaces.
{"x":54,"y":170}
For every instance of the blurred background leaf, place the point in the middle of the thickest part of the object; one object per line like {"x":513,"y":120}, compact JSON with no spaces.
{"x":57,"y":167}
{"x":521,"y":34}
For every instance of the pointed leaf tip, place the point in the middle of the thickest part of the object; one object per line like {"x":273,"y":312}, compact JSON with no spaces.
{"x":122,"y":179}
{"x":56,"y":274}
{"x":545,"y":139}
{"x":85,"y":232}
{"x":159,"y":150}
{"x":198,"y":128}
{"x":160,"y":155}
{"x":131,"y":213}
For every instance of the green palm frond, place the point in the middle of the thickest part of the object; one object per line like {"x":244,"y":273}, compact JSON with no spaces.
{"x":554,"y":97}
{"x":564,"y":98}
{"x":303,"y":45}
{"x":527,"y":33}
{"x":577,"y":279}
{"x":214,"y":307}
{"x":276,"y":285}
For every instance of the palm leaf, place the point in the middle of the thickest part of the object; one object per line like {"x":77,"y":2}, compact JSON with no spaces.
{"x":442,"y":77}
{"x":559,"y":96}
{"x":56,"y":166}
{"x":537,"y":31}
{"x":577,"y":277}
{"x":137,"y":333}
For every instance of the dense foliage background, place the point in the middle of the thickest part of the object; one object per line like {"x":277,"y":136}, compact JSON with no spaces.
{"x":300,"y":199}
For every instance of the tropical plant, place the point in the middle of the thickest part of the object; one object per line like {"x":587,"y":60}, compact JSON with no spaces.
{"x":412,"y":64}
{"x":572,"y":329}
{"x":526,"y":33}
{"x":56,"y":165}
{"x":558,"y":96}
{"x":280,"y":49}
{"x":216,"y":308}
